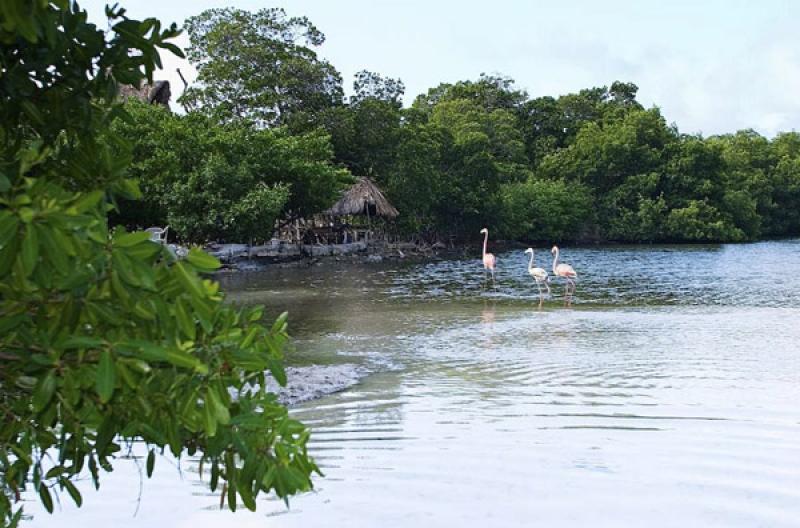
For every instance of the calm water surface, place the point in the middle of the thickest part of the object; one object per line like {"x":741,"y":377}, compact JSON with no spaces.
{"x":666,"y":396}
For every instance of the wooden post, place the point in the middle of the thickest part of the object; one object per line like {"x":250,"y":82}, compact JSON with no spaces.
{"x":369,"y":222}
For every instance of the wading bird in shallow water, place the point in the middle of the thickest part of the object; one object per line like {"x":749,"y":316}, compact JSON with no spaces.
{"x":489,"y":260}
{"x":566,"y":272}
{"x":539,"y":275}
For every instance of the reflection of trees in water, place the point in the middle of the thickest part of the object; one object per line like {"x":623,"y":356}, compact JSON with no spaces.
{"x":320,"y":300}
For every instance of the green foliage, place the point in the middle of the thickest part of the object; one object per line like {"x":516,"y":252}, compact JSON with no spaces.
{"x":602,"y":156}
{"x":489,"y":92}
{"x":366,"y":136}
{"x":415,"y":183}
{"x":260,"y":66}
{"x":761,"y":183}
{"x":544,"y":210}
{"x":371,"y":85}
{"x":105,"y":337}
{"x":212,"y":181}
{"x":699,"y":221}
{"x":220,"y":201}
{"x":549,"y":124}
{"x":478,"y":150}
{"x":634,"y":211}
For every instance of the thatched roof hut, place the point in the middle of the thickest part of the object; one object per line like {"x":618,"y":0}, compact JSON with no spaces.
{"x":363,"y":198}
{"x":156,"y":93}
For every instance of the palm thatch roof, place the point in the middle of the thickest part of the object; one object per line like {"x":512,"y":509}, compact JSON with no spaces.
{"x":363,"y":198}
{"x":156,"y":93}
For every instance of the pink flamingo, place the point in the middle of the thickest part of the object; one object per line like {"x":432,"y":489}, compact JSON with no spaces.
{"x":564,"y":271}
{"x":489,"y":260}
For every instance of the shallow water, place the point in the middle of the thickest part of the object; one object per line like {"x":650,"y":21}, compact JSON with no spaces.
{"x":667,"y":395}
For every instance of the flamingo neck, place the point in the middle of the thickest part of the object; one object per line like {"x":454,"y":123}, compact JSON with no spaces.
{"x":530,"y":264}
{"x":555,"y":261}
{"x":485,"y":240}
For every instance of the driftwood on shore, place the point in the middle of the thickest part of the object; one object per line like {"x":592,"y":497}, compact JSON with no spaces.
{"x":247,"y":257}
{"x":277,"y":249}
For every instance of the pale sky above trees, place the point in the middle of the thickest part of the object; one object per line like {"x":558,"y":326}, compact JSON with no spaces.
{"x":714,"y":66}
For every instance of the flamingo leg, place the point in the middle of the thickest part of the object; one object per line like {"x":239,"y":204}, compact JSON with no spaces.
{"x":546,"y":285}
{"x":570,"y":289}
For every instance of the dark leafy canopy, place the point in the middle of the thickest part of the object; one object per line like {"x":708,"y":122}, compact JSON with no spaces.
{"x":225,"y":182}
{"x":104,"y":337}
{"x":371,"y":85}
{"x":365,"y":133}
{"x":260,"y":66}
{"x":629,"y":175}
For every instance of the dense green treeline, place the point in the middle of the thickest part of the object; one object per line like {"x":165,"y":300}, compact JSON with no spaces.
{"x":269,"y":135}
{"x":230,"y":181}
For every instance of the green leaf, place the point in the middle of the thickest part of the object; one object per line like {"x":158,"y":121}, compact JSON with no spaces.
{"x":189,"y":281}
{"x":123,"y":265}
{"x":256,"y":313}
{"x":53,"y":252}
{"x":150,"y":351}
{"x":106,"y":376}
{"x":8,"y":254}
{"x":44,"y":391}
{"x":82,"y":342}
{"x":54,"y":472}
{"x":29,"y":252}
{"x":88,"y":201}
{"x":280,"y":322}
{"x":185,"y":320}
{"x":231,"y":490}
{"x":73,"y":491}
{"x":202,"y":260}
{"x":277,"y":371}
{"x":220,"y":410}
{"x":247,"y":497}
{"x":9,"y":323}
{"x":47,"y":500}
{"x":144,"y":251}
{"x":182,"y":359}
{"x":209,"y":419}
{"x":9,"y":224}
{"x":132,"y":239}
{"x":151,"y":462}
{"x":251,"y":335}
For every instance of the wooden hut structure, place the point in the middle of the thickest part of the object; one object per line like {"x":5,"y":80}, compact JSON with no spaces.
{"x":363,"y":199}
{"x":156,"y":93}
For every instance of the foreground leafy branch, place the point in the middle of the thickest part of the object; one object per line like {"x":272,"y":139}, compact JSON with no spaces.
{"x":105,"y":337}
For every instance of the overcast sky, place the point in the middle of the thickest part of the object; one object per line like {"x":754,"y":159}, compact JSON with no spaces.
{"x":712,"y":66}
